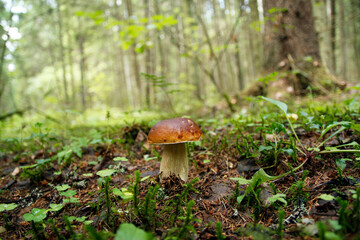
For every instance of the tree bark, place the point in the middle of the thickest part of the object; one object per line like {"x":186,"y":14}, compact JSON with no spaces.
{"x":332,"y":35}
{"x":342,"y":41}
{"x":289,"y":31}
{"x":82,"y":64}
{"x":355,"y":14}
{"x":62,"y":52}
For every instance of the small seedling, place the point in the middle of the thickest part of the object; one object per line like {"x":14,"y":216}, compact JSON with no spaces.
{"x":106,"y":178}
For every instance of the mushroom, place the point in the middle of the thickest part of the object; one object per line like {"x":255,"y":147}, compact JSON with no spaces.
{"x":173,"y":133}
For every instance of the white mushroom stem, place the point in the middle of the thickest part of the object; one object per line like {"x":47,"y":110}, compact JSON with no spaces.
{"x":174,"y":161}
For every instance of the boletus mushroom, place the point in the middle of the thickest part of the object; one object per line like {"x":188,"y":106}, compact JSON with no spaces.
{"x":173,"y":133}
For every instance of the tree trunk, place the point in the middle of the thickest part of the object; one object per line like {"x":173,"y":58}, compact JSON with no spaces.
{"x":62,"y":53}
{"x":240,"y":77}
{"x":147,"y":56}
{"x":342,"y":41}
{"x":290,"y":31}
{"x":355,"y":14}
{"x":134,"y":58}
{"x":70,"y":60}
{"x":82,"y":65}
{"x":332,"y":35}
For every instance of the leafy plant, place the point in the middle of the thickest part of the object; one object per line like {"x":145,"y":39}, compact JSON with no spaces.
{"x":36,"y":171}
{"x":36,"y":215}
{"x":180,"y":199}
{"x":219,"y":233}
{"x":67,"y":193}
{"x":187,"y":228}
{"x":309,"y":152}
{"x":68,"y":151}
{"x":130,"y":232}
{"x":105,"y":174}
{"x":7,"y":207}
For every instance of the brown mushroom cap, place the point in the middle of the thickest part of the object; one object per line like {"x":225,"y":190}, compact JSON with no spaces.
{"x":175,"y":130}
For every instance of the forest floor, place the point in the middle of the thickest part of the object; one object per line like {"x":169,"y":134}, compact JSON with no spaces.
{"x":86,"y":187}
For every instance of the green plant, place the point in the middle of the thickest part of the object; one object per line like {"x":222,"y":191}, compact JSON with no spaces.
{"x":7,"y":207}
{"x":184,"y":232}
{"x":129,"y":232}
{"x":219,"y":232}
{"x":36,"y":216}
{"x":56,"y":230}
{"x":349,"y":214}
{"x":36,"y":171}
{"x":105,"y":174}
{"x":74,"y":148}
{"x":67,"y":193}
{"x":181,"y":198}
{"x":147,"y":211}
{"x":310,"y":151}
{"x":297,"y":189}
{"x":280,"y":228}
{"x":135,"y":191}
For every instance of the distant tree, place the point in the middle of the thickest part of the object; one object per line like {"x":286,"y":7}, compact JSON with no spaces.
{"x":289,"y":31}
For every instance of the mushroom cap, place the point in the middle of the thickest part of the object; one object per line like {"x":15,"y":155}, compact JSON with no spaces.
{"x":175,"y":130}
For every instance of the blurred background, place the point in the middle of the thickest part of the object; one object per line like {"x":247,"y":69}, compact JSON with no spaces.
{"x":63,"y":57}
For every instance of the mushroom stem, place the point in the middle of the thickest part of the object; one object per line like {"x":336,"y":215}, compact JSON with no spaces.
{"x":174,"y":161}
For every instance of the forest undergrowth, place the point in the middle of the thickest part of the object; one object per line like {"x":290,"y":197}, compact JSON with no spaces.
{"x":271,"y":170}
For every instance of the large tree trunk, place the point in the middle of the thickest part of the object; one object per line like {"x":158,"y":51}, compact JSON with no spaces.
{"x":289,"y":30}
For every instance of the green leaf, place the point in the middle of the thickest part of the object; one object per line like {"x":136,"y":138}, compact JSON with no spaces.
{"x":258,"y":178}
{"x":123,"y":193}
{"x":332,"y":236}
{"x":87,"y":174}
{"x":326,"y":197}
{"x":7,"y":207}
{"x":71,"y":218}
{"x":62,"y":187}
{"x":266,"y":148}
{"x":39,"y":214}
{"x":147,"y":158}
{"x":28,"y":217}
{"x":356,"y":127}
{"x":277,"y":197}
{"x":56,"y":207}
{"x":71,"y":200}
{"x":123,"y":159}
{"x":68,"y":193}
{"x":81,"y":219}
{"x":106,"y":172}
{"x":36,"y":215}
{"x":242,"y":181}
{"x":341,"y":164}
{"x":128,"y":231}
{"x":323,"y":132}
{"x":281,"y":105}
